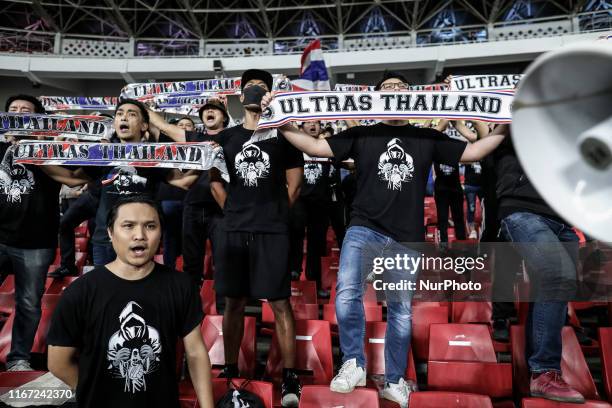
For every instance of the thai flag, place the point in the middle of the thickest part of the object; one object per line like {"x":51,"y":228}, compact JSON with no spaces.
{"x":313,"y":73}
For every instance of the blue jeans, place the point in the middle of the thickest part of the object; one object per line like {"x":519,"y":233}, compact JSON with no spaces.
{"x":470,"y":195}
{"x":359,"y":248}
{"x":551,"y":254}
{"x":30,"y":267}
{"x":173,"y":231}
{"x":103,"y":254}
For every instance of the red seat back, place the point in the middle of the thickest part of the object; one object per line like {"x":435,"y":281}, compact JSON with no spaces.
{"x":212,"y":333}
{"x":461,"y":342}
{"x":471,"y":312}
{"x":207,"y":294}
{"x":263,"y":390}
{"x":573,"y":365}
{"x":442,"y":399}
{"x":423,"y":316}
{"x":317,"y":396}
{"x":313,"y":351}
{"x":375,"y":351}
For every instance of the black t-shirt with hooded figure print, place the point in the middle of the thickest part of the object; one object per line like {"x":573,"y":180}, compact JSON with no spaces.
{"x":392,"y":165}
{"x":29,"y":204}
{"x":257,"y":198}
{"x":126,"y":334}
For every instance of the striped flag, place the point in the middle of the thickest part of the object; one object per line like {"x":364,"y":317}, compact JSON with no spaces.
{"x":313,"y":73}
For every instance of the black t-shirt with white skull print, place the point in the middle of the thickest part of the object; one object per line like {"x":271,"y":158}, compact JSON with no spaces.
{"x":447,"y":177}
{"x":118,"y":182}
{"x":29,"y":204}
{"x":392,"y":165}
{"x":316,"y":181}
{"x":257,"y":199}
{"x":126,"y":334}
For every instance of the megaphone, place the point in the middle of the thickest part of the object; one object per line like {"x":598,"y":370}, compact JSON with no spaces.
{"x":562,"y":133}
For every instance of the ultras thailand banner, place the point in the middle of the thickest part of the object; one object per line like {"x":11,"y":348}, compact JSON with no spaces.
{"x":482,"y":106}
{"x":230,"y":86}
{"x":193,"y":156}
{"x":484,"y":82}
{"x":68,"y":103}
{"x":90,"y":128}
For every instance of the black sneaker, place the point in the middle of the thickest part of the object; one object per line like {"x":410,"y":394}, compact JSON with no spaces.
{"x":62,"y":272}
{"x":291,"y":389}
{"x":501,"y":330}
{"x":229,"y":372}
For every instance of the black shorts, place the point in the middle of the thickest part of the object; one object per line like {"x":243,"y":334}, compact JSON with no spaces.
{"x":252,"y":265}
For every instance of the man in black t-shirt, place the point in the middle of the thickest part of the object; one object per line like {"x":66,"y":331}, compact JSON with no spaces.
{"x":201,"y":213}
{"x":252,"y":243}
{"x":310,"y":214}
{"x":29,"y":220}
{"x":392,"y":161}
{"x":114,"y":333}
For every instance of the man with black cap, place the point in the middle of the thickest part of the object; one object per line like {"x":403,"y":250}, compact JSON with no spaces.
{"x":392,"y":161}
{"x":200,"y":210}
{"x":251,"y":255}
{"x":29,"y":222}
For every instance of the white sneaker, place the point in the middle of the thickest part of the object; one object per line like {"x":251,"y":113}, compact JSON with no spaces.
{"x":399,"y":393}
{"x":473,"y":234}
{"x":20,"y":365}
{"x":349,"y":377}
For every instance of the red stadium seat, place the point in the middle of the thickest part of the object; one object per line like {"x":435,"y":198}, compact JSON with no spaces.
{"x":40,"y":339}
{"x":303,"y":292}
{"x":13,"y":379}
{"x":423,"y":315}
{"x":442,"y":399}
{"x":573,"y":365}
{"x":605,"y":341}
{"x":54,"y":291}
{"x":317,"y":396}
{"x":462,"y":358}
{"x":207,"y":294}
{"x":212,"y":332}
{"x":471,"y":312}
{"x":542,"y":403}
{"x":80,"y":244}
{"x":313,"y":352}
{"x":81,"y":230}
{"x":375,"y":351}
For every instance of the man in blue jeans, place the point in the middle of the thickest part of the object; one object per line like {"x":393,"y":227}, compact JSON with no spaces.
{"x":549,"y":247}
{"x":29,"y":221}
{"x":392,"y":161}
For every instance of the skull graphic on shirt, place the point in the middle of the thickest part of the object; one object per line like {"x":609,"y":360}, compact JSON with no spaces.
{"x":134,"y":350}
{"x":312,"y":172}
{"x":15,"y":179}
{"x":252,"y":164}
{"x":395,"y":166}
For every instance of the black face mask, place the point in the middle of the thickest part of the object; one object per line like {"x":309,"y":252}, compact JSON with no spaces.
{"x":252,"y":97}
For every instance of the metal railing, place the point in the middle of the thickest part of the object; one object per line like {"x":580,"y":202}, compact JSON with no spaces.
{"x":13,"y":41}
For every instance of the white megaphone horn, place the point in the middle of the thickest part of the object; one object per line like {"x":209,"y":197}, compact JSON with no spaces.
{"x":562,"y":133}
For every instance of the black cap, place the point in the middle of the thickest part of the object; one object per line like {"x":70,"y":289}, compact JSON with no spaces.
{"x":38,"y":106}
{"x":260,"y":74}
{"x":389,"y":75}
{"x":215,"y":103}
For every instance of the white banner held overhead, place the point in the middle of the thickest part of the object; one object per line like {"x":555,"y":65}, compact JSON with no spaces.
{"x":483,"y":106}
{"x":484,"y":82}
{"x":90,"y":128}
{"x":68,"y":103}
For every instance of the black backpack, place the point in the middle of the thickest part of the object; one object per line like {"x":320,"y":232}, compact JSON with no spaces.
{"x":238,"y":397}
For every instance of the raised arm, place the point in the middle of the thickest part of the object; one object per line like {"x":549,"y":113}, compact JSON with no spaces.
{"x":182,"y":180}
{"x":62,"y":362}
{"x":465,"y":131}
{"x":199,"y":367}
{"x":70,"y":177}
{"x":157,"y":124}
{"x":478,"y":150}
{"x":311,"y":146}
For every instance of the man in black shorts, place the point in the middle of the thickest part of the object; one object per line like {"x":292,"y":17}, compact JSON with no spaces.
{"x":252,"y":245}
{"x":114,"y":333}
